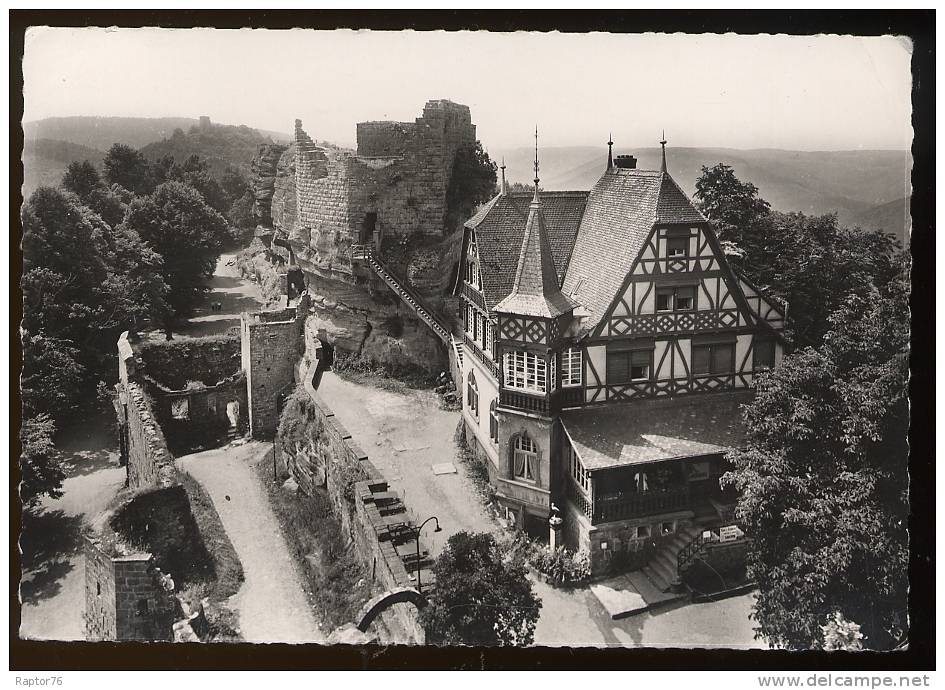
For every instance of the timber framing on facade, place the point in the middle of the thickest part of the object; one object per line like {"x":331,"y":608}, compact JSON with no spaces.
{"x":608,"y":348}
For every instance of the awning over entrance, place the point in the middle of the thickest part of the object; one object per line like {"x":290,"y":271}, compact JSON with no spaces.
{"x":649,"y":431}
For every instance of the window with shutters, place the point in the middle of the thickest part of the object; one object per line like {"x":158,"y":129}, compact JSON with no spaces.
{"x":763,"y":355}
{"x":472,"y":395}
{"x":571,"y":367}
{"x":717,"y":358}
{"x":629,"y":365}
{"x":524,"y":458}
{"x":525,"y":371}
{"x":680,"y":298}
{"x":488,"y":342}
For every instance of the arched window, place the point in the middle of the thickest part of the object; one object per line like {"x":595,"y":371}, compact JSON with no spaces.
{"x":472,"y":394}
{"x":494,"y":422}
{"x":524,"y":458}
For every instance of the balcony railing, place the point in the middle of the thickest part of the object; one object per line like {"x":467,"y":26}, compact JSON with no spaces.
{"x":578,"y":498}
{"x":536,"y":403}
{"x":480,"y":355}
{"x":625,"y":506}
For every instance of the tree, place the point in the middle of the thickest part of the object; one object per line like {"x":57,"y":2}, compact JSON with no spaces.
{"x":40,"y":464}
{"x":480,"y":597}
{"x":83,"y":283}
{"x":111,"y":203}
{"x":129,"y":168}
{"x":177,"y":223}
{"x":823,"y":478}
{"x":811,"y":263}
{"x":730,"y":204}
{"x":82,"y":179}
{"x":472,"y":182}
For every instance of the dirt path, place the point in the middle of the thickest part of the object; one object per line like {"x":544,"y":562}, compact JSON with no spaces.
{"x":235,"y":295}
{"x":405,"y":434}
{"x":52,"y":590}
{"x":271,"y":603}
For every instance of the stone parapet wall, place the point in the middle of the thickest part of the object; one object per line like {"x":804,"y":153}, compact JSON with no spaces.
{"x":148,"y":460}
{"x":173,"y":364}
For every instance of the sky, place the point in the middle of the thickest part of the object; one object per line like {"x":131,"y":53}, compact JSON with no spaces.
{"x":791,"y":92}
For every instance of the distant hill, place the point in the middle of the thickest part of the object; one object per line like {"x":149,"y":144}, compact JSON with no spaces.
{"x":101,"y":132}
{"x":219,"y":145}
{"x":850,"y":183}
{"x":45,"y":161}
{"x":893,"y":217}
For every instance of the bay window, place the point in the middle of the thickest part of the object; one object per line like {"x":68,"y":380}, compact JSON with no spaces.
{"x":525,"y":371}
{"x":571,"y":367}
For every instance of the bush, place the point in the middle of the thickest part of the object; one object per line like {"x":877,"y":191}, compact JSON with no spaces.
{"x":562,"y":567}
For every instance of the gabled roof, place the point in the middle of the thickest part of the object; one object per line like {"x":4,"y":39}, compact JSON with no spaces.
{"x":646,"y":431}
{"x":500,"y":228}
{"x":535,"y":290}
{"x":622,"y":209}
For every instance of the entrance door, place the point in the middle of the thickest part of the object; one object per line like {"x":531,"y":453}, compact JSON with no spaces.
{"x":367,"y":228}
{"x":233,"y":413}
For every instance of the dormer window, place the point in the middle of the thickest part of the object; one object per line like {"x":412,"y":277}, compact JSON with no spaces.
{"x":677,"y":247}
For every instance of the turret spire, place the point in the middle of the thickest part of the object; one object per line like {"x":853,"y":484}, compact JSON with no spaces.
{"x":535,"y":200}
{"x":610,"y":151}
{"x":663,"y":144}
{"x":503,"y":189}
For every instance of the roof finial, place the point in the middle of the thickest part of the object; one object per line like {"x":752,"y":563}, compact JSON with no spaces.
{"x":504,"y":188}
{"x":610,"y":151}
{"x":536,"y":163}
{"x":663,"y":144}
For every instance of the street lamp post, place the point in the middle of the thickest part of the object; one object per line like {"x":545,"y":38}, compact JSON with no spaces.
{"x":436,"y":529}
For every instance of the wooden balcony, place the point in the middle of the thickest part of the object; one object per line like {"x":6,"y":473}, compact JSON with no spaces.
{"x":626,"y":506}
{"x":481,"y":356}
{"x":529,"y":402}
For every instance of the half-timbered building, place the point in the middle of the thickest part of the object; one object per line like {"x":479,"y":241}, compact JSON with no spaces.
{"x":608,"y":348}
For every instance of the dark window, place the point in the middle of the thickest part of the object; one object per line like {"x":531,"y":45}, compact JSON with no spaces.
{"x":631,"y":365}
{"x":677,"y":246}
{"x":682,"y":298}
{"x":472,"y":394}
{"x":142,"y":608}
{"x":98,"y":588}
{"x":763,"y":357}
{"x":493,"y":422}
{"x":713,"y":359}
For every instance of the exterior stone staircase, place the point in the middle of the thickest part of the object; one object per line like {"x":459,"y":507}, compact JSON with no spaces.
{"x":662,"y":568}
{"x":365,"y":253}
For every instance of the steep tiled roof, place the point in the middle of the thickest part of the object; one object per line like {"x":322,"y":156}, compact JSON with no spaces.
{"x":500,"y":227}
{"x":535,"y":290}
{"x":621,"y":211}
{"x":653,"y":430}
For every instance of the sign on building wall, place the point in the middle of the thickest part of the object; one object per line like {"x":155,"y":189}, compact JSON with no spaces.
{"x":729,"y":533}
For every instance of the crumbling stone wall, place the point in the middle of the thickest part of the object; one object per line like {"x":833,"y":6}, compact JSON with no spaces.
{"x":172,"y":364}
{"x":148,"y":460}
{"x":271,"y":346}
{"x":126,"y":597}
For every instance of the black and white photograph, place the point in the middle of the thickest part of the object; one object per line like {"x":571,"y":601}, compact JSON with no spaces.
{"x":366,"y":338}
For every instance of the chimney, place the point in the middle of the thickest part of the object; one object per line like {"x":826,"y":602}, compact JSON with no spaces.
{"x":625,"y":161}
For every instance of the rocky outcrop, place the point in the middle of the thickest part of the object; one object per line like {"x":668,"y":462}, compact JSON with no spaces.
{"x":390,"y":192}
{"x":263,"y":181}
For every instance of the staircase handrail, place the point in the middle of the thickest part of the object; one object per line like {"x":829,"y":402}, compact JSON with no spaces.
{"x":691,"y":550}
{"x":407,"y":295}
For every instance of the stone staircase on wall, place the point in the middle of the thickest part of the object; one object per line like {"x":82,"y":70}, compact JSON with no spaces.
{"x":365,"y":253}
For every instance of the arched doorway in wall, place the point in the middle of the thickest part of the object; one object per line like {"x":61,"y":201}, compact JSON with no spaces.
{"x":233,"y":413}
{"x":368,"y":226}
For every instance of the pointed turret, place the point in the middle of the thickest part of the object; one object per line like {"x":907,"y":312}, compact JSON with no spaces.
{"x":504,"y":188}
{"x":535,"y":290}
{"x":610,"y":152}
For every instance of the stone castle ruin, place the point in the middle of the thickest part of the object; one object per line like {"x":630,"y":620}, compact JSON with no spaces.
{"x":352,"y":220}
